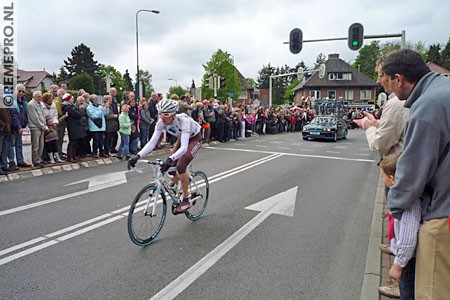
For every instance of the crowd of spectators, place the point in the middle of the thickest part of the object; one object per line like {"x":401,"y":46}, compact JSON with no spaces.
{"x":93,"y":128}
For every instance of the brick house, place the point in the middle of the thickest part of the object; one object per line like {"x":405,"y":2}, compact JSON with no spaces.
{"x":341,"y":80}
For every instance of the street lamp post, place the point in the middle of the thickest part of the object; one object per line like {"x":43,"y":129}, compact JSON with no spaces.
{"x":176,"y":82}
{"x":137,"y":49}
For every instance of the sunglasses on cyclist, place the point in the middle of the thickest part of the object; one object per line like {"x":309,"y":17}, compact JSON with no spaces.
{"x":166,"y":115}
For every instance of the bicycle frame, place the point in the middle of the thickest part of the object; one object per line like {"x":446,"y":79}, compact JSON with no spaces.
{"x":162,"y":180}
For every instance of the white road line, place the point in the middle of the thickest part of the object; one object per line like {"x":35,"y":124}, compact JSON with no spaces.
{"x":56,"y":241}
{"x":40,"y":203}
{"x":284,"y":148}
{"x":260,"y":146}
{"x":295,"y":154}
{"x":337,"y":152}
{"x":363,"y":154}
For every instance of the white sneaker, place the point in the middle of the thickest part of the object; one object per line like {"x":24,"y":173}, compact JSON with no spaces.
{"x":392,"y":291}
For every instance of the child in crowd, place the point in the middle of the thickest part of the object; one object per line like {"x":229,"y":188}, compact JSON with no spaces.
{"x":125,"y":132}
{"x":50,"y":141}
{"x":406,"y":229}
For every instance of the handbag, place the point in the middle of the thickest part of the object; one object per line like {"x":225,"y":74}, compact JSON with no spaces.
{"x":98,"y":122}
{"x":205,"y":125}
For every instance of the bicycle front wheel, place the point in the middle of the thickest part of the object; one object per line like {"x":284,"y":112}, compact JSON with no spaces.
{"x":147,"y":215}
{"x":199,"y":188}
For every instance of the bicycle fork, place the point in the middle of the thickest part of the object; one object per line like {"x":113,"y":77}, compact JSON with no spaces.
{"x":152,"y":202}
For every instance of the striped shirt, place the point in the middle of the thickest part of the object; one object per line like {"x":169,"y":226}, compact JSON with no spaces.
{"x":406,"y":230}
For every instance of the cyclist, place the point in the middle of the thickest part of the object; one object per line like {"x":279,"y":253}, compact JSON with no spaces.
{"x":189,"y":141}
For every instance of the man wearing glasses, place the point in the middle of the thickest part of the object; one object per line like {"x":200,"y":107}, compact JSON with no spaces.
{"x":15,"y":147}
{"x":189,"y":141}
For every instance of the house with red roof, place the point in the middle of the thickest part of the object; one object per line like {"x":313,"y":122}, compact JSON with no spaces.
{"x":35,"y":80}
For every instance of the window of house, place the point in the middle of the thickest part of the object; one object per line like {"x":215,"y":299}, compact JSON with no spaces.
{"x":366,"y":95}
{"x":347,"y":76}
{"x":340,"y":76}
{"x":314,"y":94}
{"x":349,"y":95}
{"x":332,"y":94}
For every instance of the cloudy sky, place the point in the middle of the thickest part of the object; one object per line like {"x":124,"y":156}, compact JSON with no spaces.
{"x":178,"y":41}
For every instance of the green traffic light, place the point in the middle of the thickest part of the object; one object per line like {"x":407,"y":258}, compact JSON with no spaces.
{"x":355,"y":43}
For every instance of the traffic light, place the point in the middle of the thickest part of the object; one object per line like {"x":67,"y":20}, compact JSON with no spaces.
{"x":295,"y":41}
{"x":355,"y":36}
{"x":222,"y":82}
{"x":209,"y":83}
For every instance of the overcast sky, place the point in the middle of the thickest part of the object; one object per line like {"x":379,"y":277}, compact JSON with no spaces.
{"x":178,"y":41}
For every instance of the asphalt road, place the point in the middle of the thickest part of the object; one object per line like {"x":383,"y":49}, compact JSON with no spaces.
{"x":64,"y":236}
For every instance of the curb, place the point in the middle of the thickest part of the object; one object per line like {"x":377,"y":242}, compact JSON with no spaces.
{"x":372,"y":272}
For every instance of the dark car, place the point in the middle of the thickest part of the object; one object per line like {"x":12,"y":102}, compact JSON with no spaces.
{"x":325,"y":127}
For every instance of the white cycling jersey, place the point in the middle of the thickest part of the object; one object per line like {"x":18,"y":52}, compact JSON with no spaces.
{"x":181,"y":123}
{"x":183,"y":127}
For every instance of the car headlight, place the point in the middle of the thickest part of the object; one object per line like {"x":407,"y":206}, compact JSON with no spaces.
{"x":305,"y":129}
{"x":327,"y":129}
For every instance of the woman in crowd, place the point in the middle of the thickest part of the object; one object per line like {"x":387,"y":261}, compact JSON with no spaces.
{"x":97,"y":125}
{"x":72,"y":115}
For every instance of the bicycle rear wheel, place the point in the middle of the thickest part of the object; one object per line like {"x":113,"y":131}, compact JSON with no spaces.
{"x":146,"y":221}
{"x":199,"y":189}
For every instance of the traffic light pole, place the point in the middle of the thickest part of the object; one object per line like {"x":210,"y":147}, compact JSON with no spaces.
{"x":368,"y":37}
{"x":275,"y":76}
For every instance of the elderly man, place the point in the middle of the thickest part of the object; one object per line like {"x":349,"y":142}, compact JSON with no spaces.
{"x":37,"y":125}
{"x":423,"y":168}
{"x":15,"y":142}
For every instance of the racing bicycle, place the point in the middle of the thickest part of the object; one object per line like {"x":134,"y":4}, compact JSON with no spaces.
{"x":149,"y":208}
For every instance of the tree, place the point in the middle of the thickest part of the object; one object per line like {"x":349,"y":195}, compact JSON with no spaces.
{"x":264,"y":76}
{"x":146,"y":79}
{"x":367,"y":59}
{"x":445,"y":56}
{"x":128,"y":81}
{"x":82,"y":81}
{"x":62,"y":76}
{"x":117,"y":80}
{"x":221,"y":64}
{"x":82,"y":61}
{"x":433,"y":54}
{"x":289,"y":94}
{"x":178,"y":90}
{"x":320,"y":59}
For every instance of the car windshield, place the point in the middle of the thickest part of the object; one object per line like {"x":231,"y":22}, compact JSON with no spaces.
{"x":323,"y":121}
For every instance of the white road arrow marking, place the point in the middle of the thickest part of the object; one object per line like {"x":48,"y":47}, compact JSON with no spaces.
{"x":96,"y":183}
{"x":282,"y":204}
{"x":104,"y":180}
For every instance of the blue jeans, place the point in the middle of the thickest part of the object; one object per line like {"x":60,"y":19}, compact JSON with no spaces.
{"x":15,"y":145}
{"x":134,"y":144}
{"x":144,"y":137}
{"x":124,"y":144}
{"x":407,"y":280}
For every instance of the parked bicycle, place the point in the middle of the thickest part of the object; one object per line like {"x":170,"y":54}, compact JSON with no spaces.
{"x":149,"y":208}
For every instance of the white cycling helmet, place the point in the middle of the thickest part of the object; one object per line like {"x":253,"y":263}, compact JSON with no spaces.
{"x":167,"y":106}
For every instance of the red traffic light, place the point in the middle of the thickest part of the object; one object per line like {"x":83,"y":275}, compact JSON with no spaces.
{"x":295,"y":41}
